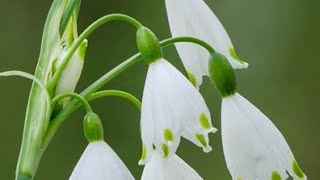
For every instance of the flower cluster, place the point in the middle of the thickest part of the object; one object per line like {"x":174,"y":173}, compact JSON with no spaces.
{"x":172,"y":106}
{"x":253,"y":147}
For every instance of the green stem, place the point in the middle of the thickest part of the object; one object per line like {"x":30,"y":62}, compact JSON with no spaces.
{"x":72,"y":106}
{"x":59,"y":119}
{"x":75,"y":45}
{"x":186,"y":39}
{"x":118,"y":93}
{"x":74,"y":95}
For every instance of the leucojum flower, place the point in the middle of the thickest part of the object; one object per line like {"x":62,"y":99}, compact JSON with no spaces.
{"x":253,"y":147}
{"x":194,"y":18}
{"x":171,"y":106}
{"x":99,"y":161}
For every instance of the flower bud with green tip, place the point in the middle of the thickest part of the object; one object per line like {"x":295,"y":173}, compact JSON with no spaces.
{"x":148,"y":45}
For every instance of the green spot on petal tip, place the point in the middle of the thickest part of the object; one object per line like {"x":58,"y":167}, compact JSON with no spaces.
{"x":275,"y":176}
{"x":168,"y":135}
{"x":204,"y":121}
{"x":192,"y":78}
{"x":297,"y":170}
{"x":165,"y":150}
{"x":144,"y":154}
{"x":203,"y":142}
{"x":235,"y":56}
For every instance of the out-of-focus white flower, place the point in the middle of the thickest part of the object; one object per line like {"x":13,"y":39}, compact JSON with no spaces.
{"x":100,"y":162}
{"x":173,"y":168}
{"x":253,"y":147}
{"x":172,"y":107}
{"x":194,"y":18}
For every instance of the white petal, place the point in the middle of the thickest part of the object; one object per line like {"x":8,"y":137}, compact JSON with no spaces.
{"x":146,"y":124}
{"x":71,"y":75}
{"x":173,"y":168}
{"x":188,"y":106}
{"x":100,"y":162}
{"x":170,"y":102}
{"x":194,"y":18}
{"x":253,"y":147}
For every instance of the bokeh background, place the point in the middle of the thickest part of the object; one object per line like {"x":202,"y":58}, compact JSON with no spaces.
{"x":279,"y":39}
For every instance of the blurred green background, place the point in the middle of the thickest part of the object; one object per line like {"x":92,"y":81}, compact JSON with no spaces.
{"x":279,"y":39}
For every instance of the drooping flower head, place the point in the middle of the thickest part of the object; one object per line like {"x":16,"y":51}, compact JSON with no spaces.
{"x":173,"y":168}
{"x":171,"y":107}
{"x":99,"y":161}
{"x":253,"y":147}
{"x":194,"y":18}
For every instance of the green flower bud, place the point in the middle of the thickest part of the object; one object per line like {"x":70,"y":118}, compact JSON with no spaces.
{"x":222,"y":74}
{"x":148,"y":45}
{"x":92,"y":127}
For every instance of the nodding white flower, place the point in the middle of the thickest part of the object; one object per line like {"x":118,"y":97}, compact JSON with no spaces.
{"x":173,"y":168}
{"x":100,"y":162}
{"x":194,"y":18}
{"x":172,"y":107}
{"x":253,"y":147}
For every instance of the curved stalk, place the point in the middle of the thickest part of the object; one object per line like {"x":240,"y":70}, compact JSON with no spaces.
{"x":59,"y":119}
{"x":117,"y":93}
{"x":75,"y":45}
{"x":75,"y":96}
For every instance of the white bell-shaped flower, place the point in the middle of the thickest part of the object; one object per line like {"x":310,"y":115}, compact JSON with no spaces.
{"x":100,"y":162}
{"x":172,"y":107}
{"x":194,"y":18}
{"x":173,"y":168}
{"x":254,"y":148}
